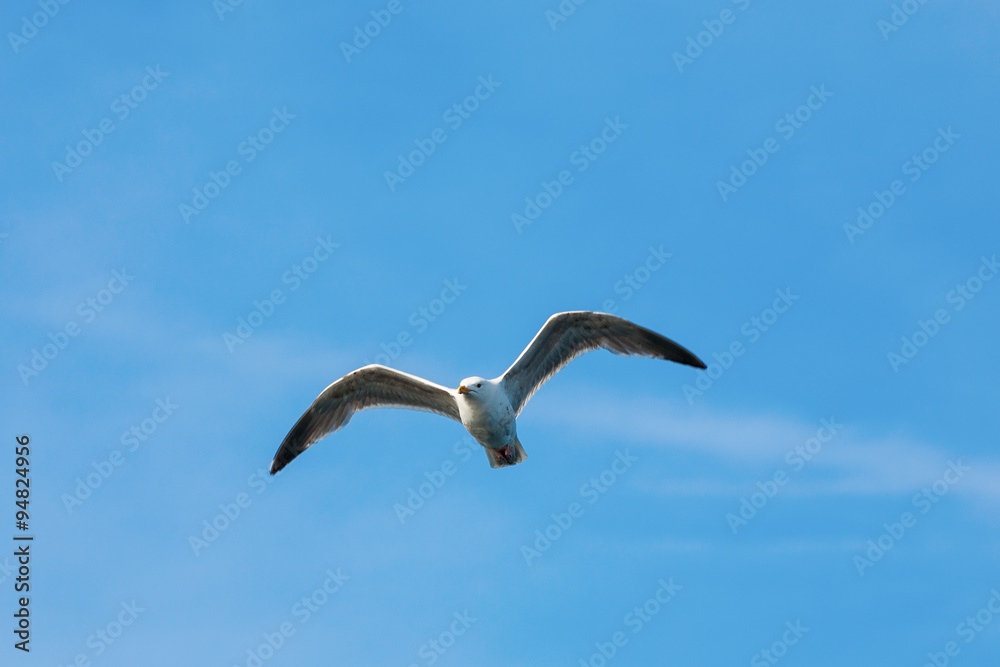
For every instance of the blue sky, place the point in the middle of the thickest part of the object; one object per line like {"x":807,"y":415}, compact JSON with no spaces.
{"x":825,"y":494}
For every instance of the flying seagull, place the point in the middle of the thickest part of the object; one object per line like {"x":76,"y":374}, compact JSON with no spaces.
{"x":487,"y":408}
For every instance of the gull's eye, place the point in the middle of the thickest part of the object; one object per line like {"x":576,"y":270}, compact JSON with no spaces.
{"x":479,"y":384}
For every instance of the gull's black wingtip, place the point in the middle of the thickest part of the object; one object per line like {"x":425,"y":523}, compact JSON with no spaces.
{"x":275,"y":467}
{"x":682,"y":355}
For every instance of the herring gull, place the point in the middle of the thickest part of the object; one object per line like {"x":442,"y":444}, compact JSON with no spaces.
{"x":487,"y":408}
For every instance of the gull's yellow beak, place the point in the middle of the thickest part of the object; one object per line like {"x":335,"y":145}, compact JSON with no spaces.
{"x":463,"y":390}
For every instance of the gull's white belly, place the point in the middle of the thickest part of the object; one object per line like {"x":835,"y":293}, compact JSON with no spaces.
{"x":492,"y":424}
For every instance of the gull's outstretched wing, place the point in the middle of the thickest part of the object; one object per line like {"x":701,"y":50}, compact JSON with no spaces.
{"x":372,"y":386}
{"x":566,"y":336}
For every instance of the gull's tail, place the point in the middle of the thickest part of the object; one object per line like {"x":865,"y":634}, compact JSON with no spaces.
{"x":506,"y":456}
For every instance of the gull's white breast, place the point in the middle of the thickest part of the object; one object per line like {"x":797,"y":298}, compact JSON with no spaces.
{"x":489,"y":417}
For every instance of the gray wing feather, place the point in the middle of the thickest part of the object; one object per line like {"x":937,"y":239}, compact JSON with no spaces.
{"x":372,"y":386}
{"x":565,"y":336}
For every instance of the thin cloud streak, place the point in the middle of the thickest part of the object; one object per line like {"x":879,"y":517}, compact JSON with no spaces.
{"x":850,"y":464}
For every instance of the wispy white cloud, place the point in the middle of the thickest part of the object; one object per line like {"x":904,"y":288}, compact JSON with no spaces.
{"x":854,"y":462}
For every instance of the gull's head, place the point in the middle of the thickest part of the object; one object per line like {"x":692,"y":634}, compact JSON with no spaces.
{"x":473,"y":387}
